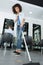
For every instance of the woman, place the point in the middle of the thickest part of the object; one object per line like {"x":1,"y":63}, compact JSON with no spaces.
{"x":17,"y":9}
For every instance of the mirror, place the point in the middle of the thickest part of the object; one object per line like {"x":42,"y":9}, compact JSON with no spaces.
{"x":6,"y":23}
{"x":25,"y":27}
{"x":36,"y":33}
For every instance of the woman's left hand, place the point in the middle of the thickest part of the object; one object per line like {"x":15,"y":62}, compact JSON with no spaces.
{"x":21,"y":25}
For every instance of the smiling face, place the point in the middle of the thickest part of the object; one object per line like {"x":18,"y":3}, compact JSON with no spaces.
{"x":17,"y":9}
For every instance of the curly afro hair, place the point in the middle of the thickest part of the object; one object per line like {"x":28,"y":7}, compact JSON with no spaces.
{"x":16,"y":5}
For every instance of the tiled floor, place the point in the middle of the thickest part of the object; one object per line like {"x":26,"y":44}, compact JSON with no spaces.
{"x":9,"y":58}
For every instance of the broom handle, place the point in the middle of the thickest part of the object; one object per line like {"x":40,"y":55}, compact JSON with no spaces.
{"x":29,"y":58}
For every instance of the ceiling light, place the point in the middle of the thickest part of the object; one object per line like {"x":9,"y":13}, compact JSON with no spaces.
{"x":30,"y":12}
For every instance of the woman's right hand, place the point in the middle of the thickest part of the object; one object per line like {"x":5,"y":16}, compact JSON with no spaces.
{"x":16,"y":19}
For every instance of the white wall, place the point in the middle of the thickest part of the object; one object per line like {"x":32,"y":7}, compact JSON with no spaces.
{"x":31,"y":21}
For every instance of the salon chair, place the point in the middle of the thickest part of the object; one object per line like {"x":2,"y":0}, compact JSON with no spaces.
{"x":6,"y":38}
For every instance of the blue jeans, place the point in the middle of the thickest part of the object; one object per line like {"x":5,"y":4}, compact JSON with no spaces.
{"x":19,"y":35}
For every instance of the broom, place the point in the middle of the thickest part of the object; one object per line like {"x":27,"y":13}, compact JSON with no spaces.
{"x":29,"y":58}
